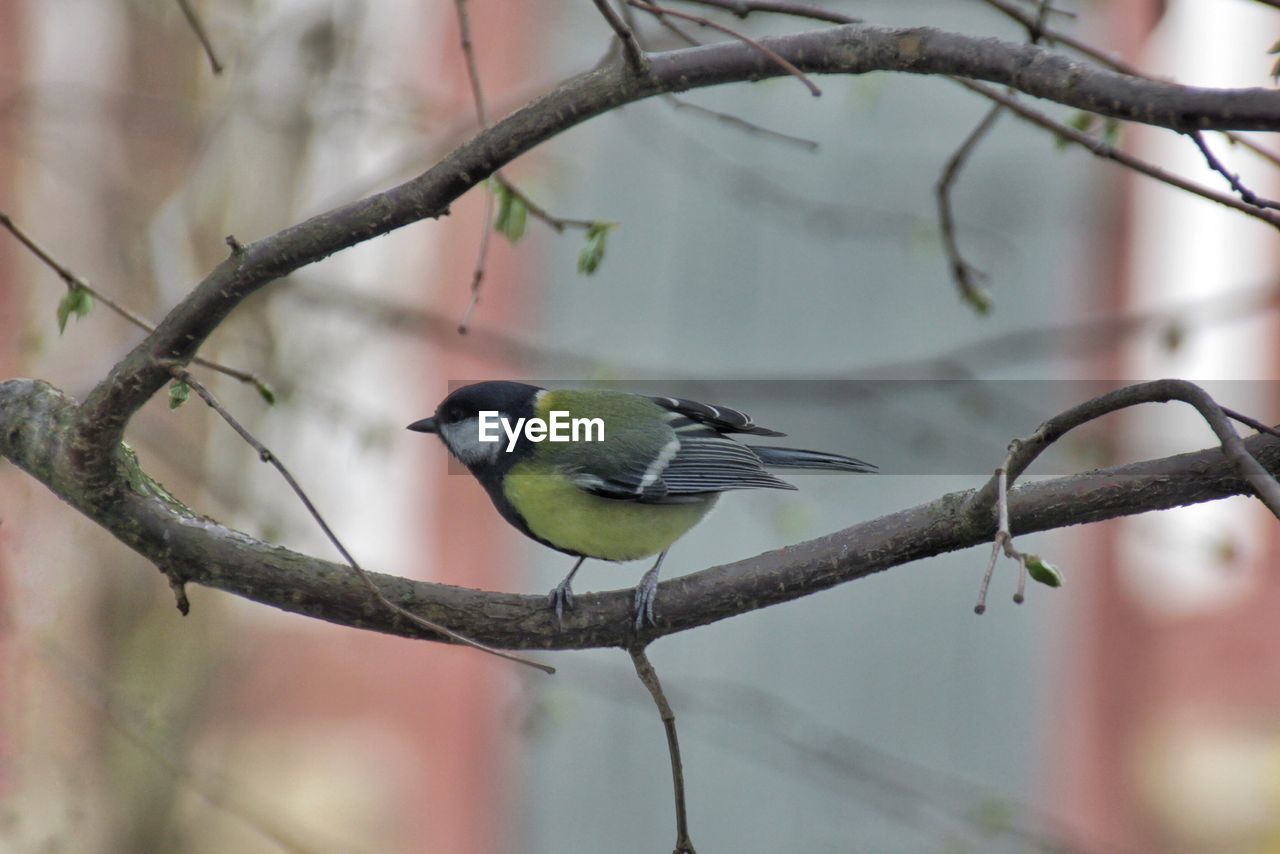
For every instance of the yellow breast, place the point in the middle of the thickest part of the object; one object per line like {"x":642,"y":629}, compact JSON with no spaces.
{"x":604,"y":528}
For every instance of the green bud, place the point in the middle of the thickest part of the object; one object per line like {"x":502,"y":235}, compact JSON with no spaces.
{"x":1044,"y":572}
{"x":178,"y":393}
{"x":593,"y":253}
{"x":268,"y":394}
{"x":78,"y":301}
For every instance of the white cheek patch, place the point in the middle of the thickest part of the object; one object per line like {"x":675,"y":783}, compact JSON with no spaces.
{"x":463,"y":441}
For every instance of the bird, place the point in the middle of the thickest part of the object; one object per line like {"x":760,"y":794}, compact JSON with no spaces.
{"x":609,"y":475}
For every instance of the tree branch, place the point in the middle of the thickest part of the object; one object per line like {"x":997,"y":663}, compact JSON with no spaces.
{"x":846,"y":49}
{"x":1024,"y":451}
{"x":197,"y":26}
{"x":967,"y":277}
{"x":76,"y":448}
{"x":37,"y":432}
{"x":630,"y":47}
{"x":649,"y":677}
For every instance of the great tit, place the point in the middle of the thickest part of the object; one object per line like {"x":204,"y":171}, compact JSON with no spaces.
{"x":607,"y":474}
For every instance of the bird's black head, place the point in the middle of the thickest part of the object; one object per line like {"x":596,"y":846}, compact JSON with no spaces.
{"x":457,"y":418}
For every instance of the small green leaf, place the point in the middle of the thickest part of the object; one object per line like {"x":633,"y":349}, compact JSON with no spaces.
{"x":1111,"y":132}
{"x":268,"y":394}
{"x":78,"y":301}
{"x":513,"y":213}
{"x":178,"y":393}
{"x":1275,"y":48}
{"x":1044,"y":572}
{"x":1082,"y":121}
{"x":593,"y":253}
{"x":980,"y":299}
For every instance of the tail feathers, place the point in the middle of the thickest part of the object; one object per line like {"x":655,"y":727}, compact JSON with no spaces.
{"x":794,"y":458}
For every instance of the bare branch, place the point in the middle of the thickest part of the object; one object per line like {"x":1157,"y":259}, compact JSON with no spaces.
{"x":37,"y":432}
{"x":1024,"y":451}
{"x":666,"y":23}
{"x":556,"y":223}
{"x":1251,"y":422}
{"x":267,"y":456}
{"x":1109,"y":152}
{"x":743,"y":8}
{"x":741,"y":124}
{"x":649,"y":676}
{"x":197,"y":26}
{"x":630,"y":47}
{"x":1246,"y":195}
{"x":1107,"y":60}
{"x":74,"y":281}
{"x":967,"y":277}
{"x":849,"y":49}
{"x":477,"y":95}
{"x":1244,"y":142}
{"x":477,"y":275}
{"x":469,"y":56}
{"x":773,"y":56}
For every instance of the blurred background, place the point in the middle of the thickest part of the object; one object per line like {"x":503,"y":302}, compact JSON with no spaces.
{"x":801,"y":278}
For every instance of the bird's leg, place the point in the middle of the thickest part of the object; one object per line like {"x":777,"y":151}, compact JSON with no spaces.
{"x":562,"y":596}
{"x":646,"y":593}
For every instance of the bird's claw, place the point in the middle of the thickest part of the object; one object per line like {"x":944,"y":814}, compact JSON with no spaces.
{"x":646,"y":595}
{"x":560,"y":599}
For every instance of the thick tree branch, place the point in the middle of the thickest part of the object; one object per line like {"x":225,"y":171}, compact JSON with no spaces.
{"x":37,"y":432}
{"x":848,"y":49}
{"x":77,"y":450}
{"x":1023,"y":452}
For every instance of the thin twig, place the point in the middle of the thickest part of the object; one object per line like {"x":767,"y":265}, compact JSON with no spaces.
{"x":477,"y":95}
{"x":486,"y":233}
{"x":742,"y":8}
{"x":1247,"y":195}
{"x":74,"y":282}
{"x":967,"y":277}
{"x":769,"y":53}
{"x":649,"y":676}
{"x":1036,"y":23}
{"x":1109,"y":152}
{"x":469,"y":56}
{"x":197,"y":26}
{"x":537,"y":211}
{"x":1250,"y":422}
{"x":1102,"y":58}
{"x":630,"y":47}
{"x":744,"y":125}
{"x":182,"y":375}
{"x":667,"y":24}
{"x":1245,"y":142}
{"x":741,"y":124}
{"x":1022,"y":452}
{"x":1003,"y":540}
{"x":477,"y":275}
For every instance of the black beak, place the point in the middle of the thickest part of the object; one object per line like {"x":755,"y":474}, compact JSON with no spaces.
{"x":426,"y":425}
